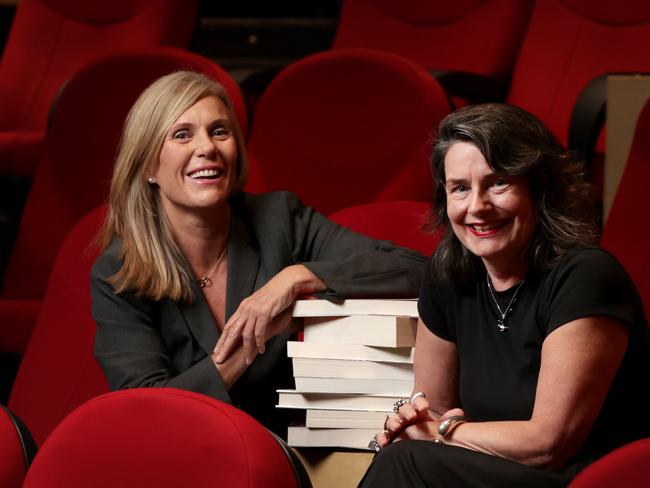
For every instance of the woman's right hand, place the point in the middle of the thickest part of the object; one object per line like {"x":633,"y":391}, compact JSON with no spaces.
{"x":409,"y":413}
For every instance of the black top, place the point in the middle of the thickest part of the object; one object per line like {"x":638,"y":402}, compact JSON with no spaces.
{"x":499,"y":370}
{"x":145,"y":343}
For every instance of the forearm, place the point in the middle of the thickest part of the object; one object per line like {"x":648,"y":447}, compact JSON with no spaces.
{"x":380,"y":269}
{"x":527,"y":442}
{"x":302,"y":280}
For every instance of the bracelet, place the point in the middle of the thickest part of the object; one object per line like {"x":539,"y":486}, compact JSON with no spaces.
{"x":448,"y":425}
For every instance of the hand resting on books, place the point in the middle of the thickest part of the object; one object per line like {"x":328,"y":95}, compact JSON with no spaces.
{"x":260,"y":316}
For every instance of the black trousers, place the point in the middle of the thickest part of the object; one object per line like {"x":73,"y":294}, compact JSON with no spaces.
{"x":415,"y":464}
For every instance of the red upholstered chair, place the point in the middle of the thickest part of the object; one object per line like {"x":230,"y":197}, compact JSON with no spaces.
{"x":161,"y":437}
{"x":17,"y":450}
{"x":76,"y":166}
{"x":474,"y":36}
{"x":626,"y":467}
{"x":624,"y":233}
{"x":346,"y":127}
{"x":51,"y":39}
{"x":398,"y":221}
{"x":568,"y":44}
{"x":58,"y":371}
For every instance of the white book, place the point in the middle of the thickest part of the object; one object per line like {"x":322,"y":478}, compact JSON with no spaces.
{"x":345,"y":368}
{"x":345,"y":419}
{"x":349,"y":438}
{"x":353,"y":385}
{"x":355,"y":306}
{"x":296,"y":349}
{"x":369,"y":330}
{"x":336,"y":401}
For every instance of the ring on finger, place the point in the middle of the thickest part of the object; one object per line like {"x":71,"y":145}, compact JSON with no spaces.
{"x":417,"y":394}
{"x":398,"y":404}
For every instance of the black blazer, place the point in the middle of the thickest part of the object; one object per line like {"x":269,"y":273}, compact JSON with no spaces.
{"x":142,"y":343}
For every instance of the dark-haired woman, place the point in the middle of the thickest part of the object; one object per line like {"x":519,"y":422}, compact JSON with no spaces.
{"x":532,"y":352}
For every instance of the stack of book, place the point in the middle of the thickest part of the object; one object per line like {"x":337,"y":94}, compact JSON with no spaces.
{"x":356,"y":359}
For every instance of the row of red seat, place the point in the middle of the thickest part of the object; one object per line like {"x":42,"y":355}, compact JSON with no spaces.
{"x":379,"y":151}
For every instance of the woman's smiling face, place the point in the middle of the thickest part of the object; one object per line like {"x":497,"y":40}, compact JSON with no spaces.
{"x":198,"y":158}
{"x":491,"y":214}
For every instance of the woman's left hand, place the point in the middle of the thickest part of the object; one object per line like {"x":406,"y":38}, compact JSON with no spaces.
{"x":255,"y":314}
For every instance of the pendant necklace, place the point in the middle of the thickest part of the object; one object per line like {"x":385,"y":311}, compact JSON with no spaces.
{"x":205,"y":281}
{"x":501,"y":323}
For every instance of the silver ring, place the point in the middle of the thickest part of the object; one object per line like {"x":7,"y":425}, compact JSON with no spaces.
{"x":399,"y":403}
{"x":417,"y":394}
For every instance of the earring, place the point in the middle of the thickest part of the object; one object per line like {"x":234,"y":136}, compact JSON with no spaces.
{"x":151,"y":180}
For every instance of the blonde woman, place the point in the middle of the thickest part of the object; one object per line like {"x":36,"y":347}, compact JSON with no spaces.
{"x":196,"y":279}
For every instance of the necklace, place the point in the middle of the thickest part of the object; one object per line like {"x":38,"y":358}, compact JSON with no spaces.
{"x":205,"y":280}
{"x":501,"y":323}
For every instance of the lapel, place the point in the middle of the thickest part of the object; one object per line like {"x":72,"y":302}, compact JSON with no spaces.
{"x":243,"y":265}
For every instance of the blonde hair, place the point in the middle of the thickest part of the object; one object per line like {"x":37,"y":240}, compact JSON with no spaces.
{"x":152,"y":264}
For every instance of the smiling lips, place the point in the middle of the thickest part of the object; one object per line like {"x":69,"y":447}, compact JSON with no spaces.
{"x":206,"y":174}
{"x":486,"y":230}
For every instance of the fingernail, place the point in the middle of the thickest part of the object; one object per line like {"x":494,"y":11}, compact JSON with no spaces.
{"x":219,"y":358}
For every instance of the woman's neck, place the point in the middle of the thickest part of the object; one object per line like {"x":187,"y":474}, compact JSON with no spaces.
{"x":503,"y":278}
{"x":203,"y":236}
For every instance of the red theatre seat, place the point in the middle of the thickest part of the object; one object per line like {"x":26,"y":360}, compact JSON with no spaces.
{"x":345,"y":127}
{"x":58,"y":371}
{"x":626,"y":467}
{"x":568,"y":44}
{"x":477,"y":36}
{"x":401,"y":222}
{"x":51,"y":39}
{"x":75,"y":168}
{"x":625,"y":234}
{"x":161,"y":437}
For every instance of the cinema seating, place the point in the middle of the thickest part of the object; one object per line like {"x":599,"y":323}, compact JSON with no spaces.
{"x":624,"y":233}
{"x":626,"y":467}
{"x":51,"y":39}
{"x":346,"y":127}
{"x":162,"y":437}
{"x":402,"y":222}
{"x":456,"y":40}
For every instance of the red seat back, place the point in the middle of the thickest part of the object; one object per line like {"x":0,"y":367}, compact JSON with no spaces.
{"x":568,"y":44}
{"x":625,"y":233}
{"x":75,"y":169}
{"x":345,"y":127}
{"x":626,"y":467}
{"x":160,"y":437}
{"x":51,"y":39}
{"x":58,"y":371}
{"x":479,"y":36}
{"x":401,"y":222}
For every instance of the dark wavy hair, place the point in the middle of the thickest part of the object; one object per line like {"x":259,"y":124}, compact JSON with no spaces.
{"x":516,"y":143}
